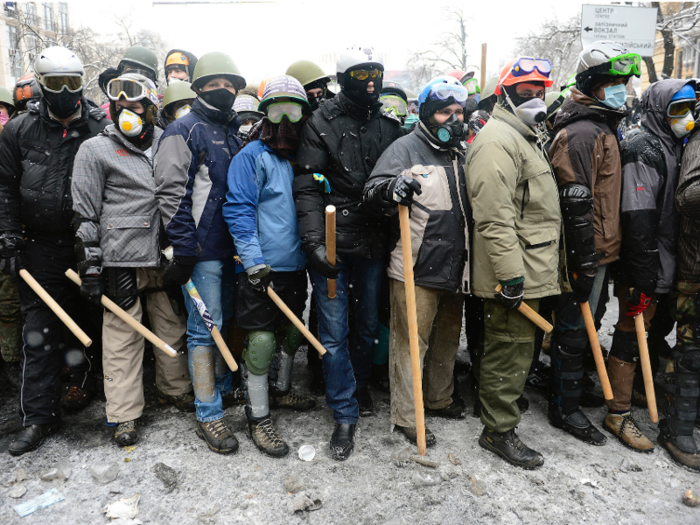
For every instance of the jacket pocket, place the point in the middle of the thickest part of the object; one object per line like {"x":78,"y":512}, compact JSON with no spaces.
{"x":540,"y":249}
{"x":128,"y":239}
{"x":434,"y":262}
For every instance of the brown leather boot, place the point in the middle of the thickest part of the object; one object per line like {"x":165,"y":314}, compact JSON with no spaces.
{"x":625,"y":428}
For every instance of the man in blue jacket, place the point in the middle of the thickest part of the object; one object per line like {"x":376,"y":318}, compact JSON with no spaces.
{"x":261,"y":217}
{"x":191,"y":166}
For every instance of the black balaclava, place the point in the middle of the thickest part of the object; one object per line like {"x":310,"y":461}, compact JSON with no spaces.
{"x":317,"y":84}
{"x":513,"y":94}
{"x":356,"y":90}
{"x":63,"y":104}
{"x":221,"y":99}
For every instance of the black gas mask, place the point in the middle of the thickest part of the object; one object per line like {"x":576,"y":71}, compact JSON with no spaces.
{"x":450,"y":133}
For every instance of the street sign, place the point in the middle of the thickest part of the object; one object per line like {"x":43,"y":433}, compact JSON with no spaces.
{"x":633,"y":27}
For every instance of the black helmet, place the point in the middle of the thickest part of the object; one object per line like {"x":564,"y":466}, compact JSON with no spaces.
{"x":395,"y":89}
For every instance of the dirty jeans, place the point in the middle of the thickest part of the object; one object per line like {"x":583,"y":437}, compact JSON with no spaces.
{"x":439,"y":326}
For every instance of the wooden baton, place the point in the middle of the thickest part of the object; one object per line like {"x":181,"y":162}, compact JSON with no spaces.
{"x":597,"y":352}
{"x":646,"y":367}
{"x":533,"y":316}
{"x":330,"y":245}
{"x":133,"y":323}
{"x":295,"y":321}
{"x":412,"y":316}
{"x":55,"y":307}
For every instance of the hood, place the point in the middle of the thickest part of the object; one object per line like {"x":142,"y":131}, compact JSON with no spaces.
{"x":653,"y":106}
{"x":113,"y":133}
{"x":582,"y":107}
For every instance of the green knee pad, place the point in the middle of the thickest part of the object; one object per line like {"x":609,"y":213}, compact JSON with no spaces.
{"x":260,"y":348}
{"x":292,"y":339}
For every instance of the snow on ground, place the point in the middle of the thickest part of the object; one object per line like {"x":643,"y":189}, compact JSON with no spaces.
{"x":578,"y":484}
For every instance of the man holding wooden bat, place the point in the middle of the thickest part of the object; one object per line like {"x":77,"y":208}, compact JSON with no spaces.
{"x":261,"y":217}
{"x":117,"y":245}
{"x":517,"y":223}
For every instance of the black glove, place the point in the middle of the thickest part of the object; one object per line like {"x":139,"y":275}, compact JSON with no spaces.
{"x":93,"y":287}
{"x":511,"y":296}
{"x":179,"y":270}
{"x":318,"y":260}
{"x":581,"y":285}
{"x":11,"y":254}
{"x":260,"y":280}
{"x":401,"y":190}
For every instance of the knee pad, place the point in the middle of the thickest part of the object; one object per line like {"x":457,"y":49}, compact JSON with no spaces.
{"x":203,"y":379}
{"x":121,"y":287}
{"x":625,"y":346}
{"x":567,"y":374}
{"x":292,"y":339}
{"x":259,"y":351}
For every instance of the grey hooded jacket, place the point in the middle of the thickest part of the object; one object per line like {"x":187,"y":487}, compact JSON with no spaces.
{"x":114,"y":200}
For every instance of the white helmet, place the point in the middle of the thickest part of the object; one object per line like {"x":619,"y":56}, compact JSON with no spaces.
{"x":597,"y":53}
{"x":57,"y":61}
{"x":355,"y":56}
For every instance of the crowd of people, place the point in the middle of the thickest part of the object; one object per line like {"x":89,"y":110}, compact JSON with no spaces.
{"x":517,"y":195}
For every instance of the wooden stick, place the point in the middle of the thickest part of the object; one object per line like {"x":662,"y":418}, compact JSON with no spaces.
{"x":133,"y":323}
{"x":55,"y":308}
{"x":206,"y":317}
{"x":411,"y":314}
{"x":533,"y":316}
{"x":295,"y":320}
{"x":597,"y":352}
{"x":646,"y":367}
{"x":330,"y":245}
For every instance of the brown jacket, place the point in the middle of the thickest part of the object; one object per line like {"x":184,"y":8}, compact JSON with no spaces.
{"x":586,"y":151}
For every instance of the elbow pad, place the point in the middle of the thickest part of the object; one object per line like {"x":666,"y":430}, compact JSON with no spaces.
{"x":576,"y":206}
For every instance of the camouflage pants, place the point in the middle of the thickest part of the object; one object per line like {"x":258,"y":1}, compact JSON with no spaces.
{"x":10,"y":320}
{"x":685,"y":308}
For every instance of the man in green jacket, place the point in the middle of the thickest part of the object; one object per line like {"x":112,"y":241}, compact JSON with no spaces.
{"x":517,"y":224}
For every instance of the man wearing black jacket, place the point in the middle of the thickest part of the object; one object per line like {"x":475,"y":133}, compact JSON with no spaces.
{"x":37,"y":150}
{"x":340,"y":144}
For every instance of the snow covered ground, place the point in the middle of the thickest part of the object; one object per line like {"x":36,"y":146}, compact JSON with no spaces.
{"x":578,"y":484}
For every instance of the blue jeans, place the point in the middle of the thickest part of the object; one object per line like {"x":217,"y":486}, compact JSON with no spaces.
{"x":569,"y":315}
{"x":216,"y":284}
{"x":345,"y":370}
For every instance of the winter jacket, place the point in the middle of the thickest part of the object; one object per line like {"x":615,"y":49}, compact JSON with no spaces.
{"x":191,"y":171}
{"x":260,"y":210}
{"x":439,"y":215}
{"x":688,"y":205}
{"x":650,"y":168}
{"x":114,"y":201}
{"x":586,"y":151}
{"x":515,"y":202}
{"x":36,"y":163}
{"x":342,"y":142}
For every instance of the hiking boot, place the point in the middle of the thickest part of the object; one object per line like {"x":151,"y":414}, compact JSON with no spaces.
{"x":290,"y":400}
{"x":539,"y":378}
{"x":523,"y":403}
{"x":76,"y":399}
{"x":31,"y":437}
{"x":183,"y":402}
{"x":364,"y":400}
{"x":576,"y":424}
{"x":411,"y":434}
{"x":509,"y":447}
{"x":217,"y":436}
{"x":266,"y":438}
{"x":639,"y":399}
{"x":342,"y":441}
{"x":451,"y":411}
{"x":679,"y":447}
{"x":235,"y":398}
{"x":126,"y":434}
{"x":625,"y":428}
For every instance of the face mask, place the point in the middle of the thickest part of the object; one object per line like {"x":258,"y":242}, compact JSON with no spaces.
{"x":532,"y":112}
{"x":682,"y":126}
{"x":477,"y":97}
{"x":130,"y":123}
{"x":4,"y":117}
{"x":63,"y":104}
{"x":243,"y":131}
{"x":222,"y":99}
{"x":316,"y":102}
{"x":410,"y":120}
{"x":615,"y":96}
{"x":450,"y":133}
{"x":356,"y":90}
{"x":184,"y":110}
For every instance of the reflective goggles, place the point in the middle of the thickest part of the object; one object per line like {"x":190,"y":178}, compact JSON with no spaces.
{"x":624,"y":65}
{"x":526,"y":65}
{"x":444,"y":91}
{"x":131,"y":90}
{"x":363,"y":74}
{"x":680,"y":108}
{"x":57,"y":83}
{"x":472,"y":85}
{"x":276,"y":112}
{"x":394,"y":104}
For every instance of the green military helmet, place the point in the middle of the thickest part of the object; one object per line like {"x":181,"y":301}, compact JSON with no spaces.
{"x":306,"y":72}
{"x":489,"y":88}
{"x":176,"y":92}
{"x":553,"y":100}
{"x":143,"y":57}
{"x":216,"y":64}
{"x":7,"y":100}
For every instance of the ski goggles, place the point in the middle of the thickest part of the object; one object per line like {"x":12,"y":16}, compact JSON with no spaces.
{"x":292,"y":110}
{"x":57,"y":83}
{"x":472,"y":86}
{"x":526,"y":65}
{"x":624,"y":65}
{"x":444,"y":91}
{"x":145,"y":72}
{"x":395,"y":104}
{"x":131,"y":90}
{"x":680,"y":108}
{"x":364,"y":74}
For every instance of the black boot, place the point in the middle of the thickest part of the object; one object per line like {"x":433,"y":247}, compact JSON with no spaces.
{"x":343,"y":441}
{"x":509,"y":447}
{"x":364,"y":400}
{"x":682,"y":449}
{"x":32,"y":437}
{"x":576,"y":424}
{"x":539,"y":378}
{"x":568,"y":348}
